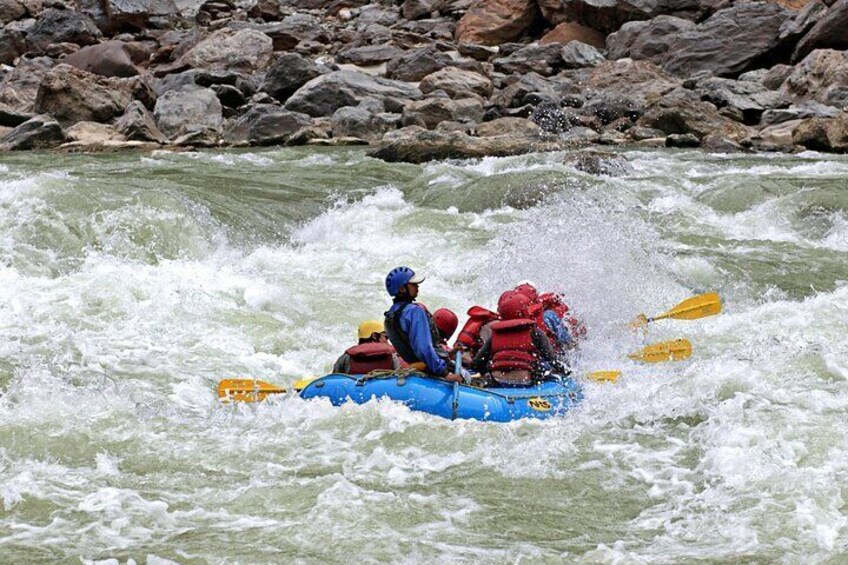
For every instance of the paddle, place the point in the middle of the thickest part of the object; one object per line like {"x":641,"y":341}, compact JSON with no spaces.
{"x":675,"y":350}
{"x":457,"y":369}
{"x":250,"y":390}
{"x":701,"y":306}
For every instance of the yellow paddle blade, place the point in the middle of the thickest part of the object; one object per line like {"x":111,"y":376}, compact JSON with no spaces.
{"x":676,"y":350}
{"x":246,"y":390}
{"x":696,"y":307}
{"x":303,"y":383}
{"x":604,"y":376}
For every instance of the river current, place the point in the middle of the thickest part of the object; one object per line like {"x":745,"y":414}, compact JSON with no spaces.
{"x":130,"y":284}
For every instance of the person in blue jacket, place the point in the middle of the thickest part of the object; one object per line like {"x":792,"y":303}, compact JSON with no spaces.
{"x":410,"y":327}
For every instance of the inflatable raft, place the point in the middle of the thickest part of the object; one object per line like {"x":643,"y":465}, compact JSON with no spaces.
{"x":441,"y":398}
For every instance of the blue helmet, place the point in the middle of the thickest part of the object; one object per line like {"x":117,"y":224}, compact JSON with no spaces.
{"x":400,"y":277}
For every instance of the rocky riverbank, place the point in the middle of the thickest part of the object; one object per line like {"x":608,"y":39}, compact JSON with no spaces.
{"x":424,"y":79}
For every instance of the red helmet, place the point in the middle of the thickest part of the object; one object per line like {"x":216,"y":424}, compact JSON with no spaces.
{"x":528,"y":290}
{"x":446,"y":321}
{"x":513,"y":305}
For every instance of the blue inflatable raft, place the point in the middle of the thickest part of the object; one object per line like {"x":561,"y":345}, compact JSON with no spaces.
{"x":441,"y":398}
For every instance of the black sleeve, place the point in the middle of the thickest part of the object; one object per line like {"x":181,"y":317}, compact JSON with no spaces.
{"x":481,"y":360}
{"x":543,"y":344}
{"x":342,"y":364}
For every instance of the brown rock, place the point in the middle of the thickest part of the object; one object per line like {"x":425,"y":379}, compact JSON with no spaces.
{"x":823,"y":134}
{"x":506,"y":126}
{"x":780,"y":134}
{"x":821,"y":76}
{"x":109,"y":59}
{"x":431,"y":111}
{"x":497,"y":21}
{"x":414,"y":65}
{"x":641,"y":81}
{"x":72,"y":95}
{"x":19,"y":87}
{"x":92,"y":133}
{"x":456,"y":83}
{"x":569,"y":31}
{"x":681,"y":111}
{"x":39,"y":132}
{"x":12,"y":45}
{"x":138,"y":124}
{"x":243,"y":50}
{"x":11,"y":10}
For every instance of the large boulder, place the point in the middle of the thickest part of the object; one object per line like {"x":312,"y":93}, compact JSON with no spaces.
{"x":506,"y":126}
{"x":681,"y":111}
{"x":362,"y":122}
{"x":12,"y":45}
{"x":533,"y":86}
{"x":748,"y":98}
{"x":39,"y":132}
{"x":416,"y":64}
{"x":609,"y":15}
{"x":265,"y":124}
{"x":570,"y":31}
{"x":431,"y":111}
{"x":801,"y":111}
{"x":138,"y":124}
{"x":287,"y":73}
{"x":821,"y":76}
{"x":829,"y":32}
{"x":9,"y":117}
{"x":243,"y":50}
{"x":19,"y":87}
{"x":110,"y":59}
{"x":61,"y":26}
{"x":457,"y":83}
{"x":646,"y":40}
{"x":640,"y":81}
{"x":579,"y":55}
{"x":497,"y":21}
{"x":177,"y":111}
{"x":327,"y":93}
{"x":823,"y":134}
{"x":724,"y":47}
{"x":73,"y":95}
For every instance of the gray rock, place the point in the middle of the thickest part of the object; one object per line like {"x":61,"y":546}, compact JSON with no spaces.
{"x":295,"y":28}
{"x":265,"y":125}
{"x":418,"y":63}
{"x":641,"y":82}
{"x":9,"y":117}
{"x":821,"y":76}
{"x":112,"y":15}
{"x":682,"y":140}
{"x":39,"y":132}
{"x":457,"y":83}
{"x":517,"y":93}
{"x":545,"y":60}
{"x":775,"y":76}
{"x":578,"y":55}
{"x":682,"y":111}
{"x":553,"y":119}
{"x":178,"y":110}
{"x":61,"y":26}
{"x":376,"y":14}
{"x":609,"y":15}
{"x":368,"y":55}
{"x":477,"y":52}
{"x":73,"y":95}
{"x":801,"y":22}
{"x":198,"y":136}
{"x":288,"y":73}
{"x":19,"y":88}
{"x":829,"y":32}
{"x":639,"y":133}
{"x":598,"y":163}
{"x":609,"y":107}
{"x":430,"y":111}
{"x":647,"y":40}
{"x":721,"y":46}
{"x":138,"y":124}
{"x":327,"y":93}
{"x":229,"y":96}
{"x":415,"y":9}
{"x":361,"y":123}
{"x":109,"y":59}
{"x":243,"y":50}
{"x":804,"y":110}
{"x":750,"y":98}
{"x":718,"y":144}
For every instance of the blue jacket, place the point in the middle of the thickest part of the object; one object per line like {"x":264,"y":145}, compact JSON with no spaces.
{"x":557,"y":327}
{"x":415,"y":325}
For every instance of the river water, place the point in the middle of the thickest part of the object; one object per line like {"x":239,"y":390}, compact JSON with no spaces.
{"x":130,"y":284}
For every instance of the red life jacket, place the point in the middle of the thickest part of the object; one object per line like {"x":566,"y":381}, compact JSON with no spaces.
{"x":553,"y":301}
{"x":368,"y":357}
{"x":512,"y":345}
{"x":469,"y":336}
